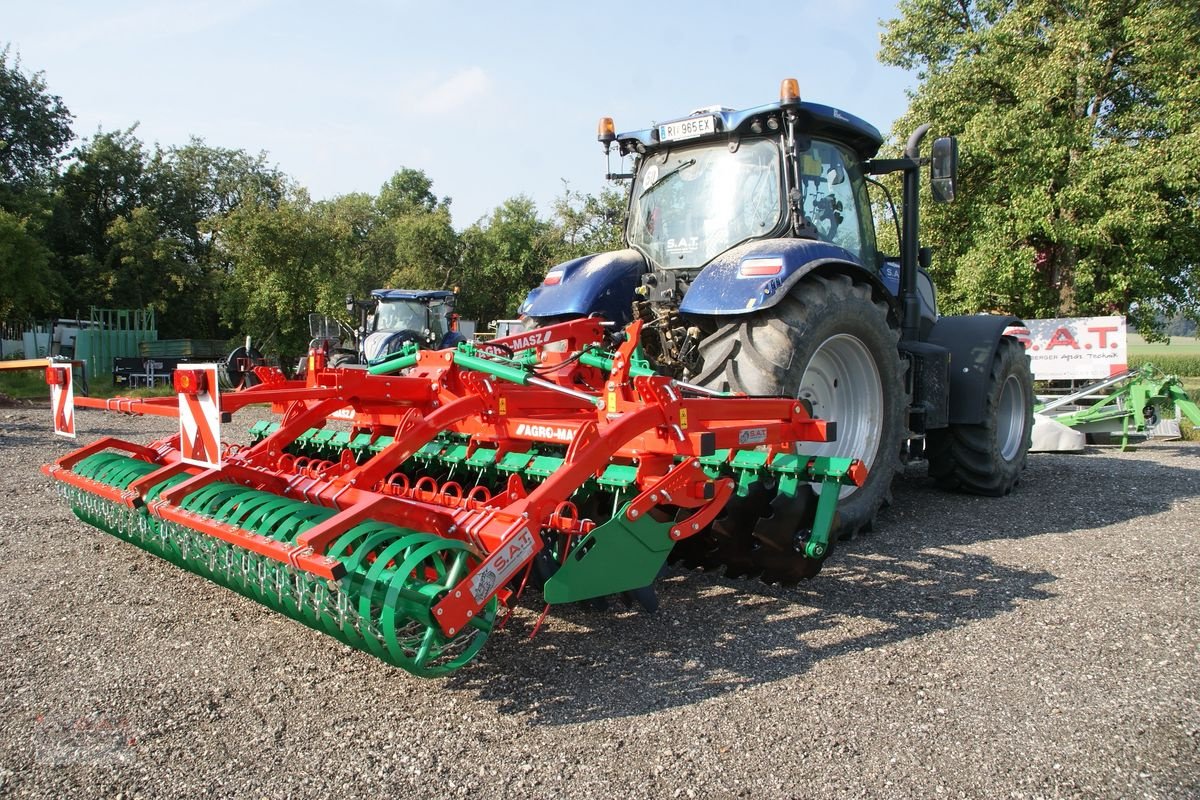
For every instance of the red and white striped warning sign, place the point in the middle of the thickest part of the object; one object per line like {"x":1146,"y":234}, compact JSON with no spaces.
{"x":62,"y":398}
{"x":199,"y":414}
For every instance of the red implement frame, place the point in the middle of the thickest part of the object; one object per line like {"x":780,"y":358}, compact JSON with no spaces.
{"x":649,"y":421}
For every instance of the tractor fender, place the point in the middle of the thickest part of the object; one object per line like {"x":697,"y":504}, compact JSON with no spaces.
{"x":972,"y":342}
{"x":380,"y":343}
{"x":603,"y":283}
{"x":724,"y":289}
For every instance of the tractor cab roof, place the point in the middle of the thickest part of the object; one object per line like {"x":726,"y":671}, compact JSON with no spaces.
{"x":814,"y":120}
{"x":419,"y":295}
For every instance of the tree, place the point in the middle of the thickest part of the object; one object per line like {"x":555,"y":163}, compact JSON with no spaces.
{"x":416,"y":233}
{"x":147,"y":267}
{"x":34,"y":131}
{"x":190,"y":189}
{"x":24,"y":268}
{"x":103,"y":184}
{"x":297,"y":255}
{"x":408,"y":191}
{"x":284,"y":259}
{"x":1079,"y":129}
{"x":364,"y":254}
{"x":194,"y":185}
{"x":503,"y":258}
{"x":426,"y":250}
{"x":35,"y":128}
{"x":136,"y":229}
{"x":590,"y":223}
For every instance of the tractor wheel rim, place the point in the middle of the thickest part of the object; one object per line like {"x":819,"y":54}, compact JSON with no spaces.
{"x":1010,"y":418}
{"x":843,"y":385}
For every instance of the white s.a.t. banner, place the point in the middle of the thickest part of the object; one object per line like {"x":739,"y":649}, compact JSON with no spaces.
{"x":1074,"y":348}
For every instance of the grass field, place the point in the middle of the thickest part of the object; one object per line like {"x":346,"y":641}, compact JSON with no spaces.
{"x":1179,"y":346}
{"x":31,"y":385}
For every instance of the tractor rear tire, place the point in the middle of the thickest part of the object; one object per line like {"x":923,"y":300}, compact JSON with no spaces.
{"x":987,"y":458}
{"x":832,"y":343}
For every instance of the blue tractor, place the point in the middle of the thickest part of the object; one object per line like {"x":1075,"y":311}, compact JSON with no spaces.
{"x":752,"y":261}
{"x":386,"y":322}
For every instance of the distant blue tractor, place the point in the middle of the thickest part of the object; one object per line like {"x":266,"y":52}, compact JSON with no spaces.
{"x":387,"y":321}
{"x":752,"y":262}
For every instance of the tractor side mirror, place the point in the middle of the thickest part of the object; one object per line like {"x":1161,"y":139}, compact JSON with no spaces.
{"x":943,"y":169}
{"x":350,"y":304}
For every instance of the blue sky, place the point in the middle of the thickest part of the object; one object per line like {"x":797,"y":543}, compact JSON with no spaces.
{"x":489,"y":99}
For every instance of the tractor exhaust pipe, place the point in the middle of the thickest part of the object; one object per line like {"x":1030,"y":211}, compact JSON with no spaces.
{"x":910,"y":253}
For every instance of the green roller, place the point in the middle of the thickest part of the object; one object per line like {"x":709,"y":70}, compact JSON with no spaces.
{"x":383,"y":605}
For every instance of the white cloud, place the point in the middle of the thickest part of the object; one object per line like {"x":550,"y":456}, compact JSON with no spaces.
{"x":454,"y":92}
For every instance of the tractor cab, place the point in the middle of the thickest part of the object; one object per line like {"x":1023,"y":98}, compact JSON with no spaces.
{"x":693,"y":201}
{"x":718,"y":178}
{"x":393,"y":317}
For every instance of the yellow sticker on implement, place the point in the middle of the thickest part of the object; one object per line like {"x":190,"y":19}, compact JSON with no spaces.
{"x":503,"y":406}
{"x":683,"y":417}
{"x":612,"y":402}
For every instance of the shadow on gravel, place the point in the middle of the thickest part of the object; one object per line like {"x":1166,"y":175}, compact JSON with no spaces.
{"x":1058,"y":493}
{"x":715,"y":635}
{"x":912,"y":577}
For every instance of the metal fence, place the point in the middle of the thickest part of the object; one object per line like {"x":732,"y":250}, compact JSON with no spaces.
{"x":25,"y":338}
{"x":113,"y":333}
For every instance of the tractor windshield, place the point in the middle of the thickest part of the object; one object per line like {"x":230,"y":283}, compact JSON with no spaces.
{"x":402,"y":315}
{"x":692,"y":204}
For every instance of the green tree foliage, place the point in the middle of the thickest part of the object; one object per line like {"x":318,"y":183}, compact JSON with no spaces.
{"x":504,"y":256}
{"x":133,"y":228}
{"x":415,"y":234}
{"x":408,"y":191}
{"x":147,"y":265}
{"x":364,"y":254}
{"x":24,"y":268}
{"x":190,"y":189}
{"x":193,"y":186}
{"x":300,"y":255}
{"x":282,"y":257}
{"x":35,"y":129}
{"x":426,"y":250}
{"x":590,"y":223}
{"x":101,"y":185}
{"x":1079,"y":129}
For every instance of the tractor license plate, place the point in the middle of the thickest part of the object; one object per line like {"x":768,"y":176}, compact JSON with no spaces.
{"x":687,"y":129}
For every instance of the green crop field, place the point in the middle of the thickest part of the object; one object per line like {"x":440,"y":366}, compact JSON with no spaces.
{"x":1180,"y":357}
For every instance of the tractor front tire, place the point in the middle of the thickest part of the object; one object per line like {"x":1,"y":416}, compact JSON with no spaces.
{"x":987,"y":458}
{"x":829,"y":342}
{"x":342,"y":358}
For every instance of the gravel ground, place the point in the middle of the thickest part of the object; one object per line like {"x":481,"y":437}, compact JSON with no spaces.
{"x":1039,"y":645}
